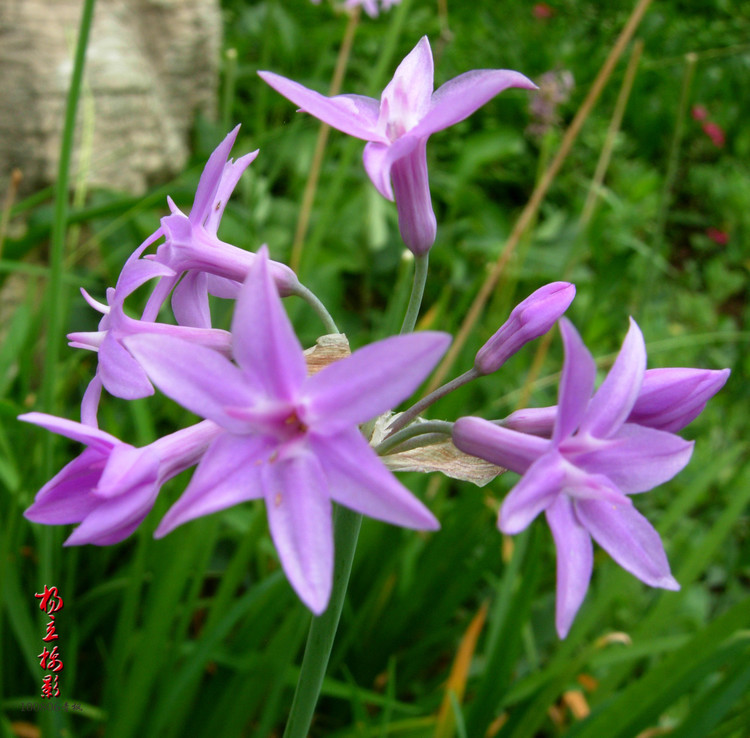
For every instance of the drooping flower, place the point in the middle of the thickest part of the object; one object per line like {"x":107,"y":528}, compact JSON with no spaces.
{"x":581,"y":477}
{"x":111,"y":487}
{"x":669,"y":400}
{"x":292,"y":440}
{"x":531,"y":318}
{"x":397,"y":128}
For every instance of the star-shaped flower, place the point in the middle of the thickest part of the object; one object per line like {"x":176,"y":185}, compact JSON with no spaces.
{"x":397,"y":128}
{"x":582,"y":476}
{"x":201,"y":262}
{"x":291,"y":439}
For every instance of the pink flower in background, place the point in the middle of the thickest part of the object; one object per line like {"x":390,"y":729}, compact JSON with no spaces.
{"x":699,"y":113}
{"x":542,"y":11}
{"x":718,"y":236}
{"x":715,"y":132}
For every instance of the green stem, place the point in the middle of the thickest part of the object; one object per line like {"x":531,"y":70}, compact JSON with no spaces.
{"x":408,"y":415}
{"x":57,"y":247}
{"x":49,"y":539}
{"x":428,"y":427}
{"x":323,"y":629}
{"x":320,"y":309}
{"x":417,"y":292}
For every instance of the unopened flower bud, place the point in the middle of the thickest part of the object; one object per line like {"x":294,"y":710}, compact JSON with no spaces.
{"x":530,"y":319}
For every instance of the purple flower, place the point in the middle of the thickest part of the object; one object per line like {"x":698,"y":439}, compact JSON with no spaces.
{"x":371,"y":6}
{"x":581,"y":476}
{"x":398,"y":126}
{"x":192,"y":248}
{"x":529,"y":319}
{"x":291,"y":439}
{"x":669,"y":400}
{"x":117,"y":370}
{"x":111,"y":487}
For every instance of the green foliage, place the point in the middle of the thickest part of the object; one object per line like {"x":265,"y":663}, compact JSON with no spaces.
{"x":199,"y":633}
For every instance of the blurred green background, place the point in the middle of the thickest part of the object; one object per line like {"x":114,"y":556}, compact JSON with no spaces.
{"x":199,"y":634}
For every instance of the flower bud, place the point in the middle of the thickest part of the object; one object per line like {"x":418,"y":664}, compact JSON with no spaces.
{"x":530,"y":319}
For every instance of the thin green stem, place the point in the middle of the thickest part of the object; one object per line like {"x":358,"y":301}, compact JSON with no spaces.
{"x":320,"y":309}
{"x":57,"y":246}
{"x":49,"y":540}
{"x":428,"y":427}
{"x":417,"y":292}
{"x":323,"y":628}
{"x":408,"y":415}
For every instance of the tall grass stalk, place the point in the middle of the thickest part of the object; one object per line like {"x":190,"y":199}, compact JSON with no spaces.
{"x":597,"y":181}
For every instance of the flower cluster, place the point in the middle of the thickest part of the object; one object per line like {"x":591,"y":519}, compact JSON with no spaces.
{"x":581,"y":459}
{"x":301,"y":439}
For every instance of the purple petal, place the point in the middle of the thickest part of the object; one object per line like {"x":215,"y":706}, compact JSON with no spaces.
{"x":536,"y":420}
{"x":128,"y":502}
{"x":90,"y":402}
{"x":264,"y":341}
{"x":153,"y":238}
{"x":507,"y":448}
{"x":379,"y":159}
{"x":127,"y":467}
{"x":114,"y":520}
{"x":90,"y":435}
{"x":233,"y":170}
{"x":157,"y":297}
{"x":411,"y":188}
{"x":137,"y":273}
{"x":190,"y":301}
{"x":67,"y":497}
{"x":372,"y":380}
{"x":575,"y":561}
{"x":228,"y":289}
{"x":228,"y":474}
{"x":210,"y":178}
{"x":378,"y":167}
{"x":351,"y":114}
{"x":406,"y":98}
{"x":121,"y":374}
{"x":539,"y":487}
{"x":198,"y":378}
{"x":614,"y":400}
{"x":629,"y":539}
{"x":637,"y":459}
{"x":576,"y":382}
{"x":458,"y":98}
{"x":672,"y":398}
{"x":299,"y":517}
{"x":358,"y":480}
